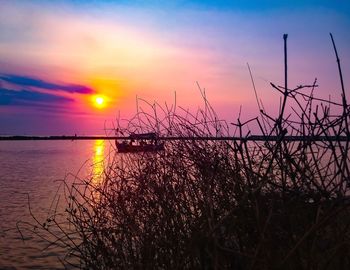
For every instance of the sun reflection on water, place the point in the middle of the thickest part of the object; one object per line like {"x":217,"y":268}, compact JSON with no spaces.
{"x":98,"y":162}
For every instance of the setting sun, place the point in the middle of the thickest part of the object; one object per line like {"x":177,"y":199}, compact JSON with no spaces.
{"x":99,"y":101}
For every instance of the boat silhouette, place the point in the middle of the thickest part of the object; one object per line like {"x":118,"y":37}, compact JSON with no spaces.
{"x":140,"y":142}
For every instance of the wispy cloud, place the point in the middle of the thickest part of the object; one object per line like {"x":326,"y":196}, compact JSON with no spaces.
{"x":25,"y":81}
{"x":29,"y":98}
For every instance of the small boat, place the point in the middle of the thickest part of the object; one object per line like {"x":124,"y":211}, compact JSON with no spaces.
{"x":144,"y":142}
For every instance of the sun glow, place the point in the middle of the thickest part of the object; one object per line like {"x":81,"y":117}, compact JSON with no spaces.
{"x":99,"y":101}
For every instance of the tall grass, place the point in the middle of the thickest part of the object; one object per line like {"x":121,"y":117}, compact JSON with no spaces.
{"x":217,"y":204}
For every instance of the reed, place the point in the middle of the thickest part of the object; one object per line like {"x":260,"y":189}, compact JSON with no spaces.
{"x":218,"y":204}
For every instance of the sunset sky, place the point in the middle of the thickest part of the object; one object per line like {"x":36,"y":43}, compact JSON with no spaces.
{"x":70,"y":67}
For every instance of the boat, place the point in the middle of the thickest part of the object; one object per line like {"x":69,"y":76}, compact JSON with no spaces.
{"x":144,"y":142}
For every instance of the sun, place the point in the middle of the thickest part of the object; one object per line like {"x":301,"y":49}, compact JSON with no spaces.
{"x":99,"y":101}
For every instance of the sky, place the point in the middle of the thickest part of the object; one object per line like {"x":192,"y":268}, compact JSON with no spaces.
{"x":72,"y":67}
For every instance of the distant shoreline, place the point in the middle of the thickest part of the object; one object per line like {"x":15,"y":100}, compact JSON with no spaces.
{"x":172,"y":138}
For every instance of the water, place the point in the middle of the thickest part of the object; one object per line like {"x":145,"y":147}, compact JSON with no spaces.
{"x":31,"y":171}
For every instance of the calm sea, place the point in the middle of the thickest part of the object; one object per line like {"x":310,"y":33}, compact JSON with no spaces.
{"x":32,"y":171}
